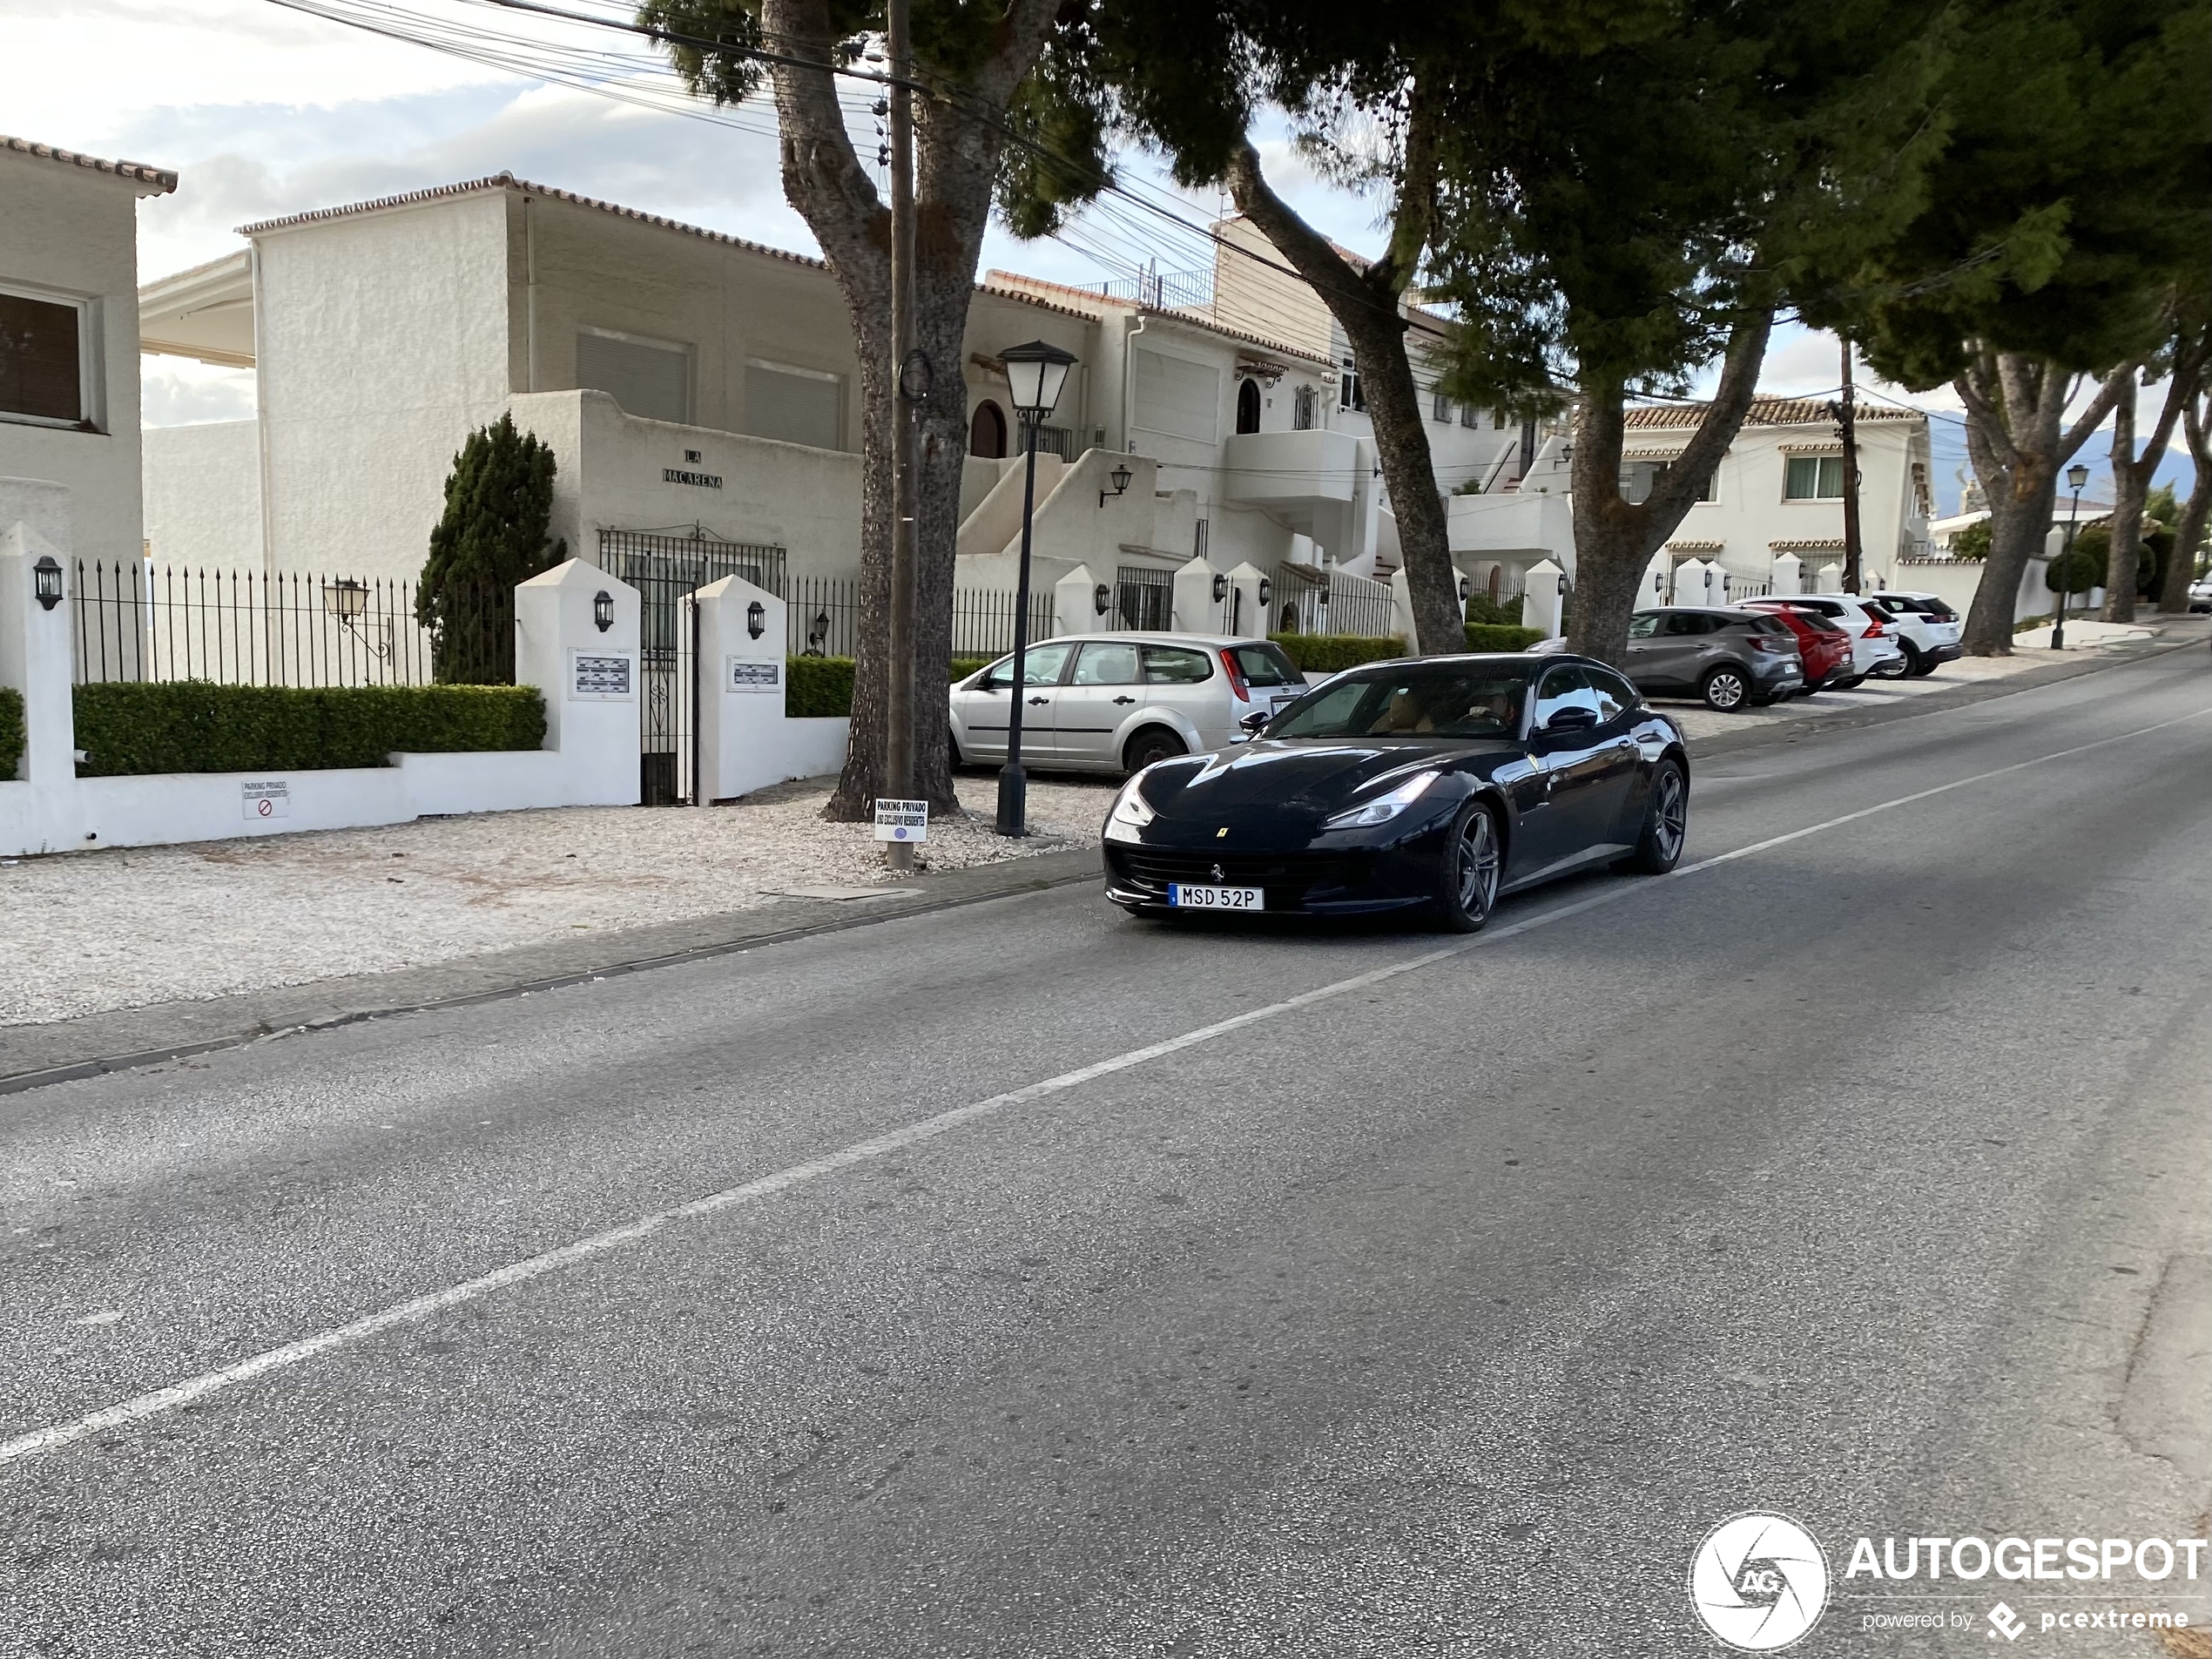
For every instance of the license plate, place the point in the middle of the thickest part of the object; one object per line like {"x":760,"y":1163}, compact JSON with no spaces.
{"x":1183,"y":896}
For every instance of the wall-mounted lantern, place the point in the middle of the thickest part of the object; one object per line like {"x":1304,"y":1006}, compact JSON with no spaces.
{"x":46,"y":582}
{"x":602,"y":610}
{"x":1266,"y":593}
{"x":1101,"y":596}
{"x":1119,"y":477}
{"x":346,"y":599}
{"x":756,"y":618}
{"x":1467,"y":590}
{"x":818,"y":635}
{"x":1220,"y":587}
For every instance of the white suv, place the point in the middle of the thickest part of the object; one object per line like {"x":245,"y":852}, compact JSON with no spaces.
{"x":1118,"y":702}
{"x":1927,"y":626}
{"x":1874,"y":647}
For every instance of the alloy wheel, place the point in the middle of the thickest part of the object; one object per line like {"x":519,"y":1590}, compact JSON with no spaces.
{"x":1478,"y":864}
{"x":1725,"y":689}
{"x":1669,"y":814}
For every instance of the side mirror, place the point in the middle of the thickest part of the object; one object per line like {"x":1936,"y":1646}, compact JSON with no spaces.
{"x":1256,"y":722}
{"x":1571,"y":718}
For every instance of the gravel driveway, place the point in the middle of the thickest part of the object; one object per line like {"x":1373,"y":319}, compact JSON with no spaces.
{"x":82,"y":931}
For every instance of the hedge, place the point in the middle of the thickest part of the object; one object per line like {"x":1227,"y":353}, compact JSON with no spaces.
{"x":816,"y":687}
{"x":1482,"y":635}
{"x":1327,"y":653}
{"x":11,"y":731}
{"x":195,"y":725}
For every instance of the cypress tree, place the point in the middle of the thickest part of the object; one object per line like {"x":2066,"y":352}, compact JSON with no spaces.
{"x":499,"y":507}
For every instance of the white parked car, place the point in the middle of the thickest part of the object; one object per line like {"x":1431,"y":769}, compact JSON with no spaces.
{"x":1927,"y":626}
{"x":2201,"y":594}
{"x":1117,"y":702}
{"x":1874,"y":646}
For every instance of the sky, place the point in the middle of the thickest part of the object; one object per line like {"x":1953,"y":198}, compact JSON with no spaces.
{"x":263,"y":110}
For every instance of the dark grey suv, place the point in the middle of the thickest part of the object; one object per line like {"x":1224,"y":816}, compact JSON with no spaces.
{"x":1728,"y":656}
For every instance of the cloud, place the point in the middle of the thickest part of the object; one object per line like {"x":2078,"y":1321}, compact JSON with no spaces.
{"x":176,"y":391}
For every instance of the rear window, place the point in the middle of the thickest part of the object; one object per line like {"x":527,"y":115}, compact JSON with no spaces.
{"x":1267,"y":665}
{"x":1822,"y":607}
{"x":1172,"y":665}
{"x":1761,"y":625}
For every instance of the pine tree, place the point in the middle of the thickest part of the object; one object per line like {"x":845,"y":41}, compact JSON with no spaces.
{"x":499,"y":507}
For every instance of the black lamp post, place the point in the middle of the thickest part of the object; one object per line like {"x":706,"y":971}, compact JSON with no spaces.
{"x":2076,"y":476}
{"x":1035,"y":372}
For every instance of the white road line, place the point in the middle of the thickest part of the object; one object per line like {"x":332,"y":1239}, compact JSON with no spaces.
{"x":183,"y":1394}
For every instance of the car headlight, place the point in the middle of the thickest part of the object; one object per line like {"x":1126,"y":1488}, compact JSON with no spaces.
{"x":1383,"y":808}
{"x":1130,"y":813}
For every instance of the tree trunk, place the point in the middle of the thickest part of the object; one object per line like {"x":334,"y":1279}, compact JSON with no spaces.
{"x":2014,"y":407}
{"x":1615,"y":538}
{"x":2180,"y":569}
{"x":1365,"y":303}
{"x":2130,"y":485}
{"x":957,"y":150}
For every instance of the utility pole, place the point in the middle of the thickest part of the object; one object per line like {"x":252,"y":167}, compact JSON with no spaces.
{"x":1846,"y":416}
{"x":899,"y":697}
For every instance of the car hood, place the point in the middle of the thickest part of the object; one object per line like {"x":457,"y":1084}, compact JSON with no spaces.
{"x":1300,"y":777}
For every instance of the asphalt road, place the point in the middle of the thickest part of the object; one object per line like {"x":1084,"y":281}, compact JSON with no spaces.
{"x":1439,"y":1302}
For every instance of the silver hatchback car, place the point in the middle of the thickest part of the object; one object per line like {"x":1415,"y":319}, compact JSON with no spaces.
{"x":1116,"y":703}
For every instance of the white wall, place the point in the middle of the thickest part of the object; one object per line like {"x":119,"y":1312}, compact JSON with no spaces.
{"x":203,"y":496}
{"x":611,"y":469}
{"x":72,"y":232}
{"x":383,"y":344}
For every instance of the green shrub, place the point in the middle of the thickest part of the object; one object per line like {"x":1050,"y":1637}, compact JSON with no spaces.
{"x":11,"y":731}
{"x":195,"y":725}
{"x":1483,"y":636}
{"x":1328,"y":653}
{"x":494,"y":534}
{"x":818,"y":687}
{"x":1481,"y":608}
{"x":963,"y":666}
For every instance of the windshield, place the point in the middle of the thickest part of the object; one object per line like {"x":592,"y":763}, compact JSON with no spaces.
{"x":1442,"y":700}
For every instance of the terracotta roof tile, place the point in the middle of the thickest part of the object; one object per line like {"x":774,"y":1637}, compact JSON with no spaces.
{"x":1765,"y":411}
{"x":161,"y":178}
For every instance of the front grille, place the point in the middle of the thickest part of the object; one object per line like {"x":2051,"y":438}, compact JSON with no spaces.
{"x":1287,"y":878}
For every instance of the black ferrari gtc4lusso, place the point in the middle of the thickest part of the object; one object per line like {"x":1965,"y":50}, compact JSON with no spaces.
{"x":1439,"y":782}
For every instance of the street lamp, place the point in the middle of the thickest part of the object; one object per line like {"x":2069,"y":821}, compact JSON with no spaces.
{"x":346,"y":599}
{"x":1035,"y":373}
{"x":2076,"y":476}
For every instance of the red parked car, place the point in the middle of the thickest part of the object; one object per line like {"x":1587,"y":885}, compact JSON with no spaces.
{"x":1824,"y":647}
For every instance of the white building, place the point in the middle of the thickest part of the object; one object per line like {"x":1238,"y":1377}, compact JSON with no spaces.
{"x":69,"y":341}
{"x":689,"y":380}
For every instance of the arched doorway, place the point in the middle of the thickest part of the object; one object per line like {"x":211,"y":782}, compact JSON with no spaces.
{"x":987,"y":431}
{"x":1248,"y":407}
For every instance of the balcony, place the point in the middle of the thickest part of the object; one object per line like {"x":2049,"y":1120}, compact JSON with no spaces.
{"x":1291,"y":468}
{"x":1522,"y":524}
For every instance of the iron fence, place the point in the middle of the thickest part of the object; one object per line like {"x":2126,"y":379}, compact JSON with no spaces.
{"x":823,"y":619}
{"x":132,"y":620}
{"x":1307,"y":601}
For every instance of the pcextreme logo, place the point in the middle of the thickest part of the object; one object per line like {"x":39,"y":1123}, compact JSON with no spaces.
{"x":1758,"y":1582}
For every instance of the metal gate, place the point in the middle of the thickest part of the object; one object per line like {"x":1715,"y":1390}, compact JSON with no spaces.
{"x":666,"y":567}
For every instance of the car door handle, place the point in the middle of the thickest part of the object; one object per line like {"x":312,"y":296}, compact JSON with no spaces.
{"x":1034,"y":701}
{"x":1124,"y":699}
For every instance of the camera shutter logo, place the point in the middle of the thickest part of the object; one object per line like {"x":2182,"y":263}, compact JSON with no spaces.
{"x":1759,"y":1583}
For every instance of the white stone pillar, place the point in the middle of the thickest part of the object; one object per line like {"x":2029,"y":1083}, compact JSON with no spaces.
{"x":1543,"y":603}
{"x":1689,"y":582}
{"x":1194,"y":609}
{"x":1401,"y":610}
{"x":1076,"y":609}
{"x":33,"y":637}
{"x":1828,"y":580}
{"x":588,"y":676}
{"x":1244,"y":613}
{"x":1789,"y":576}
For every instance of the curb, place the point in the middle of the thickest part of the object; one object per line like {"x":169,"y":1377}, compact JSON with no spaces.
{"x":1932,"y":702}
{"x":116,"y":1041}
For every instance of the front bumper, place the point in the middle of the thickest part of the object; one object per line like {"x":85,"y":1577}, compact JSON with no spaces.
{"x":1315,"y":881}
